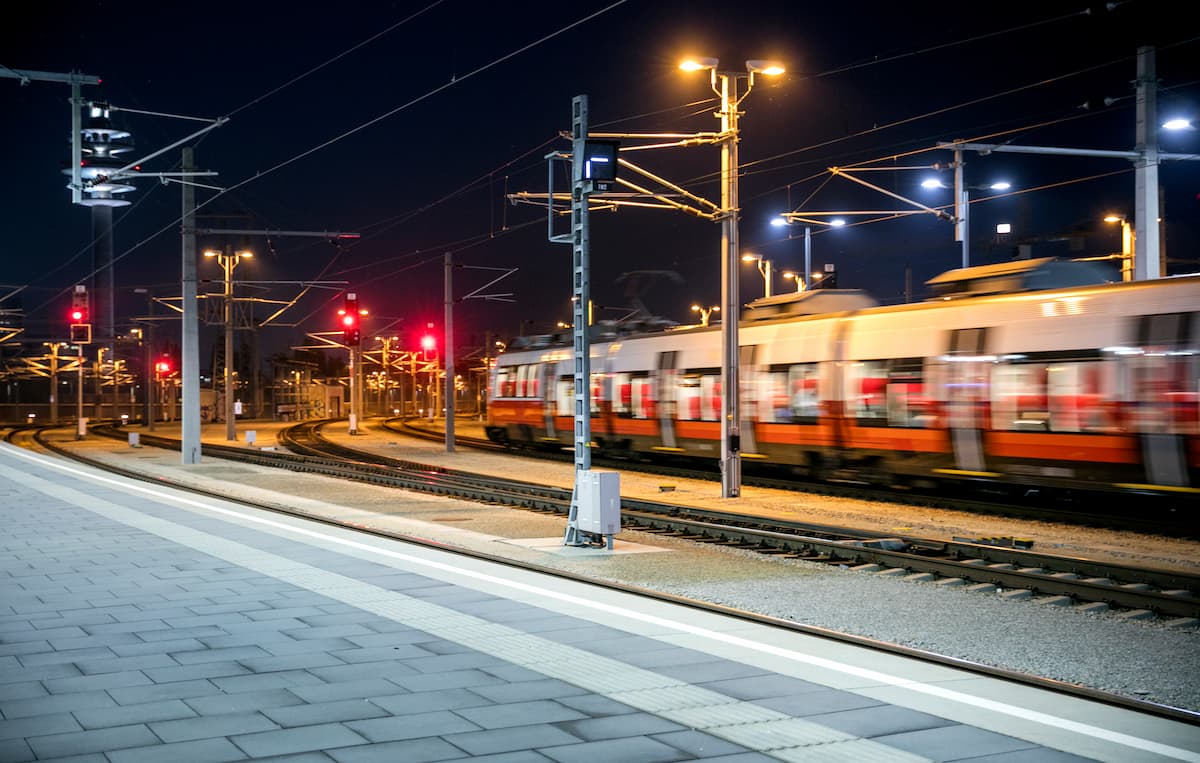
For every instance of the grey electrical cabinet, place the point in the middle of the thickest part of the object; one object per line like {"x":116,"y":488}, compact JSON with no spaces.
{"x":600,"y":503}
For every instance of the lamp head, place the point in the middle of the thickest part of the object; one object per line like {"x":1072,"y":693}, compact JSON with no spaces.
{"x":763,"y":66}
{"x":698,"y":64}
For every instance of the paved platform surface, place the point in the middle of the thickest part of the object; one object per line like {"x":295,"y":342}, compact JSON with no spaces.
{"x":142,"y":623}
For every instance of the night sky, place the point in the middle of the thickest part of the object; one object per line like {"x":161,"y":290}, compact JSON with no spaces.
{"x":408,"y":123}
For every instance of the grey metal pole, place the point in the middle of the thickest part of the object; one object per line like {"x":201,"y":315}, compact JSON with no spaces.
{"x":962,"y":210}
{"x":54,"y":383}
{"x":190,"y":340}
{"x":449,"y":355}
{"x":353,"y":417}
{"x":731,"y":460}
{"x":227,"y":266}
{"x":1145,"y":218}
{"x":807,"y":255}
{"x":80,"y":427}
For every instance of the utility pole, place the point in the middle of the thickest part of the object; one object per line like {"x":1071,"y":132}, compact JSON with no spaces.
{"x":190,"y":341}
{"x":449,"y":296}
{"x":1145,"y":157}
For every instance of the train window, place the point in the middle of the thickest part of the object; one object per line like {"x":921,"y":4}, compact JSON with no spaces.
{"x":907,"y":403}
{"x":599,"y":387}
{"x":866,"y":392}
{"x":505,"y":381}
{"x":622,"y":398}
{"x":790,"y":393}
{"x":564,"y":396}
{"x":1166,"y":377}
{"x":698,"y":393}
{"x":1055,"y":392}
{"x":688,"y":396}
{"x":642,"y":397}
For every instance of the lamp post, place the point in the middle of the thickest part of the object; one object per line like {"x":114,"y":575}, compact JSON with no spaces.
{"x":725,"y":85}
{"x":1127,"y":245}
{"x":705,"y":312}
{"x":228,"y":262}
{"x":962,"y":204}
{"x":148,"y":358}
{"x":764,"y":268}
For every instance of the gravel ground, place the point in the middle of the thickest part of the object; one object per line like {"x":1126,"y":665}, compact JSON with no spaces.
{"x":1144,"y":659}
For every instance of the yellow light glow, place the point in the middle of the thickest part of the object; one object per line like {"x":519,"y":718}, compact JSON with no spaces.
{"x":696,"y":64}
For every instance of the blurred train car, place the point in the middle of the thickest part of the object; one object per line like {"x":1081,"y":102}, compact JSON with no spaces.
{"x":1080,"y":386}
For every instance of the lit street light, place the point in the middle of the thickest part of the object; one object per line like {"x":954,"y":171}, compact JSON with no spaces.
{"x":962,"y":205}
{"x":764,"y":267}
{"x":228,"y":262}
{"x":725,"y":85}
{"x":705,"y":312}
{"x":799,"y":279}
{"x":1127,"y":245}
{"x":801,"y":283}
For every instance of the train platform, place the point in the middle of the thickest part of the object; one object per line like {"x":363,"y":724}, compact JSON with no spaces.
{"x":140,"y":622}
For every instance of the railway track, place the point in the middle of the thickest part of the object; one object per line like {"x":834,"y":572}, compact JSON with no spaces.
{"x":1155,"y":514}
{"x":1017,"y":572}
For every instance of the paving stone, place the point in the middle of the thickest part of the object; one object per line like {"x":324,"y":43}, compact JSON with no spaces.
{"x":515,"y":738}
{"x":38,"y":725}
{"x":206,"y":726}
{"x":520,"y":714}
{"x":328,"y":712}
{"x":55,"y":703}
{"x":594,"y":705}
{"x":221,"y":703}
{"x":378,"y":653}
{"x":698,"y":743}
{"x":197,"y":751}
{"x":102,"y":680}
{"x":282,"y":680}
{"x":232,"y":654}
{"x":23,"y":690}
{"x":156,"y":647}
{"x":365,"y":688}
{"x":70,"y":655}
{"x":406,"y":751}
{"x":641,"y":749}
{"x":97,"y":740}
{"x":302,"y":739}
{"x":126,"y":715}
{"x":439,"y":723}
{"x":614,"y":726}
{"x":524,"y":691}
{"x":219,"y":669}
{"x":302,"y":661}
{"x":158,"y":692}
{"x":125,"y":664}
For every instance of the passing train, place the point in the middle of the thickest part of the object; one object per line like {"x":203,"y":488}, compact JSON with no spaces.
{"x":1084,"y":386}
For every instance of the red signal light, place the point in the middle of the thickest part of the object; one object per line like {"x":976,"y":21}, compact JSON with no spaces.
{"x":428,"y":343}
{"x":77,"y":316}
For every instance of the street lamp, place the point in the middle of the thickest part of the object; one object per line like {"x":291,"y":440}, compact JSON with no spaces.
{"x":228,"y":261}
{"x":1127,"y":245}
{"x":705,"y":312}
{"x":764,"y":267}
{"x":962,"y":205}
{"x":725,"y":85}
{"x":801,"y":283}
{"x":799,"y":279}
{"x":148,"y":355}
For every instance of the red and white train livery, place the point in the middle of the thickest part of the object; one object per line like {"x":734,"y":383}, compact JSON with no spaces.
{"x":1090,"y":386}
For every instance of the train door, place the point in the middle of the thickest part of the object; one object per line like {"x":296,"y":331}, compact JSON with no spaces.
{"x":549,"y":403}
{"x":748,"y":407}
{"x":1164,"y":386}
{"x":664,"y":382}
{"x":967,"y":374}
